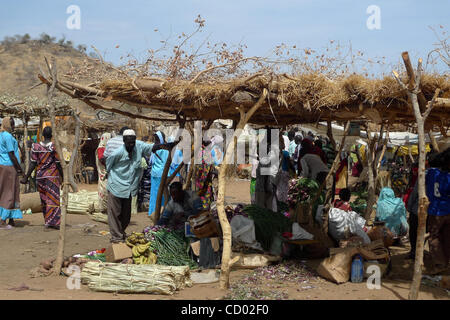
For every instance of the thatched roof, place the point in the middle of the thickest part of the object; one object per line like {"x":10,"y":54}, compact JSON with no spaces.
{"x":305,"y":99}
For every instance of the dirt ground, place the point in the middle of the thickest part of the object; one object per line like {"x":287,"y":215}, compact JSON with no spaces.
{"x":24,"y":247}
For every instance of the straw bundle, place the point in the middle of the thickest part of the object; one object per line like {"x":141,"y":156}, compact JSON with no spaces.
{"x":130,"y":278}
{"x":82,"y":202}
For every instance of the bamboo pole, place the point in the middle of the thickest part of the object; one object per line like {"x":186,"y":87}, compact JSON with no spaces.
{"x":423,"y":200}
{"x":226,"y":228}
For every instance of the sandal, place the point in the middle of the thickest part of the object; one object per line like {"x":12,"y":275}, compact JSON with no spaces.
{"x":6,"y":227}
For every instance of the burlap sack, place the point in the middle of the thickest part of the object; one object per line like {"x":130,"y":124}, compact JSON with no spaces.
{"x":337,"y":267}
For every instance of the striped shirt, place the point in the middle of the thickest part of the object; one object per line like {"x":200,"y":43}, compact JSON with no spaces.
{"x":112,"y":145}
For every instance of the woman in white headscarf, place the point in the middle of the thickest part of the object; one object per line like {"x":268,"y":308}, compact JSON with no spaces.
{"x":101,"y":168}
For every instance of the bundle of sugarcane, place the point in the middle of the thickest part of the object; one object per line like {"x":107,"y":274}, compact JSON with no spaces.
{"x":129,"y":278}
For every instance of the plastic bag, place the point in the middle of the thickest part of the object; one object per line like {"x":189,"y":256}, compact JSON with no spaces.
{"x":342,"y":224}
{"x":300,"y":233}
{"x":243,"y":230}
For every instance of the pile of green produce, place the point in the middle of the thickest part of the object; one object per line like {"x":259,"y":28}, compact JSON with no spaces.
{"x":360,"y":204}
{"x":267,"y":224}
{"x":301,"y":190}
{"x":170,"y":246}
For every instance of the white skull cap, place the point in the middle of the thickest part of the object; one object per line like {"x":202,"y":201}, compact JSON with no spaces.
{"x":129,"y":132}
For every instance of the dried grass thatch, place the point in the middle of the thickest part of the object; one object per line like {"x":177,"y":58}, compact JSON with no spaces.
{"x":306,"y":98}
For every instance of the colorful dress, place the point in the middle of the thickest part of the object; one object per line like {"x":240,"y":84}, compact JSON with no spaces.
{"x":203,"y":181}
{"x":9,"y":180}
{"x":48,"y":181}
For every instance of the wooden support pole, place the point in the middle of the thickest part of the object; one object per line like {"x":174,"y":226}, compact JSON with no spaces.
{"x":329,"y":181}
{"x":74,"y":152}
{"x":65,"y":193}
{"x":433,"y":141}
{"x":330,"y":134}
{"x":25,"y":147}
{"x":423,"y":200}
{"x":226,"y":228}
{"x":370,"y":155}
{"x":162,"y":186}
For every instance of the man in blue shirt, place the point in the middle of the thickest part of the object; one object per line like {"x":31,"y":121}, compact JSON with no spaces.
{"x":438,"y":193}
{"x":124,"y":168}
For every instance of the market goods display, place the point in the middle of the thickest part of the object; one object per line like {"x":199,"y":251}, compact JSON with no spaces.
{"x":170,"y":246}
{"x":267,"y":224}
{"x":140,"y":248}
{"x":301,"y":190}
{"x":130,"y":278}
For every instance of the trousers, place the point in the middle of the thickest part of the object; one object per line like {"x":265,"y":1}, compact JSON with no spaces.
{"x":119,"y":216}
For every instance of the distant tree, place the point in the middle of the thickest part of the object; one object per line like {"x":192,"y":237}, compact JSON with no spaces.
{"x":69,"y":44}
{"x":25,"y":38}
{"x":93,"y":55}
{"x":45,"y":38}
{"x":62,"y":40}
{"x":82,"y":48}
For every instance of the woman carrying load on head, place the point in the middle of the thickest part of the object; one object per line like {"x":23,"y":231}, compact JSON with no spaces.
{"x":101,"y":168}
{"x":10,"y":171}
{"x":49,"y":174}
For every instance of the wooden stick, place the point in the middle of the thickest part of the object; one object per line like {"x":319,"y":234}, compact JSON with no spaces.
{"x":370,"y":155}
{"x":226,"y":228}
{"x":330,"y":134}
{"x":64,"y":198}
{"x":423,"y":200}
{"x":74,"y":152}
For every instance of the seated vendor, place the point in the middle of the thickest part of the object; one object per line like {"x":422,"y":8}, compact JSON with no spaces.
{"x":343,"y":202}
{"x":181,"y":206}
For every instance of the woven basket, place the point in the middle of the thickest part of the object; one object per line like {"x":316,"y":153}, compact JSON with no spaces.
{"x":203,"y":225}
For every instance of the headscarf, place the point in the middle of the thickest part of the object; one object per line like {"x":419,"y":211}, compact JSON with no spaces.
{"x":6,"y":124}
{"x":104,"y":139}
{"x":216,"y":140}
{"x":392,"y":211}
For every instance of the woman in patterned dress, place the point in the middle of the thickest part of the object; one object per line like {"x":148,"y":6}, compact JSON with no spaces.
{"x":48,"y":174}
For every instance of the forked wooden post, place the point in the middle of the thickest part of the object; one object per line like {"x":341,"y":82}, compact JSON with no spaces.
{"x":413,"y":92}
{"x":226,"y":228}
{"x":65,"y":193}
{"x":370,"y":155}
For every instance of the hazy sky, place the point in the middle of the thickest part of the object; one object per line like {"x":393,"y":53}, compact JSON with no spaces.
{"x":260,"y":24}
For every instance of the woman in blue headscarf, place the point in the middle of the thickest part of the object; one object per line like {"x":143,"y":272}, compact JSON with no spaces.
{"x":158,"y":161}
{"x":392,"y":211}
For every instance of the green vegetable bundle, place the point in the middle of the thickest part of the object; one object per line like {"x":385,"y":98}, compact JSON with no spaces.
{"x":267,"y":224}
{"x":170,"y":247}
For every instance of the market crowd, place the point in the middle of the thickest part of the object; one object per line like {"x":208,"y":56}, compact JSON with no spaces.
{"x":130,"y":172}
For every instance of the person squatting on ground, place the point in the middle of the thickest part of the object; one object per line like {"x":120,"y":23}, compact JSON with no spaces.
{"x":181,"y":206}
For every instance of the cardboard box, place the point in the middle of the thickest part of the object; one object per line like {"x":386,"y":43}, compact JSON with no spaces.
{"x":117,"y":252}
